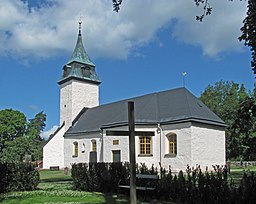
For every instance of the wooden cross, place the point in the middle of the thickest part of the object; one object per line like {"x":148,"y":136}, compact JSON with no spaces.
{"x":131,"y":133}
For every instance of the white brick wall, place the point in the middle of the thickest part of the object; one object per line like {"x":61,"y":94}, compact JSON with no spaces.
{"x":74,"y":96}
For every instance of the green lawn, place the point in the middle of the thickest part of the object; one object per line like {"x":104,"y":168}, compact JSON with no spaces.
{"x":56,"y":188}
{"x":237,"y":172}
{"x":54,"y":176}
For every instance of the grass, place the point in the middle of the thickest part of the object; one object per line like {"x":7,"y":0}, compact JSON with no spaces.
{"x":236,"y":172}
{"x":55,"y":187}
{"x":54,"y":176}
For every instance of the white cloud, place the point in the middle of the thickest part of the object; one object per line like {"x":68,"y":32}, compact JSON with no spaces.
{"x":51,"y":29}
{"x":46,"y":134}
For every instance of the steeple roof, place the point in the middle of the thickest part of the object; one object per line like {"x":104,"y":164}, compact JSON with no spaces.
{"x":80,"y":65}
{"x":79,"y":53}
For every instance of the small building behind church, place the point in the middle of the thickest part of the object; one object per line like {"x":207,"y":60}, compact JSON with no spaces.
{"x":186,"y":131}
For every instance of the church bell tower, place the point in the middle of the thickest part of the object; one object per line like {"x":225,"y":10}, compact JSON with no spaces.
{"x":79,"y":85}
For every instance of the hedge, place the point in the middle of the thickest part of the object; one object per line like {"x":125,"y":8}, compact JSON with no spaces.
{"x":192,"y":186}
{"x":18,"y":177}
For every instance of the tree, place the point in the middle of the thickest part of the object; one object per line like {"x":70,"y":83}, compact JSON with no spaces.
{"x":36,"y":125}
{"x":244,"y":128}
{"x":19,"y":137}
{"x":12,"y":125}
{"x":248,"y":30}
{"x":236,"y":106}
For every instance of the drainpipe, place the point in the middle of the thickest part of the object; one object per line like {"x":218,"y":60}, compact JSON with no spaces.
{"x":159,"y":131}
{"x":102,"y":147}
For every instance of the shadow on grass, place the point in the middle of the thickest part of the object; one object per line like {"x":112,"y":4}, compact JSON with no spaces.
{"x":53,"y":180}
{"x":110,"y":198}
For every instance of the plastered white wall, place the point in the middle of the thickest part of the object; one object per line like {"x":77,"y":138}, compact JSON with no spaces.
{"x":208,"y":146}
{"x":74,"y":96}
{"x":183,"y":157}
{"x":53,"y":151}
{"x":84,"y":148}
{"x":123,"y":146}
{"x":189,"y":139}
{"x":196,"y":144}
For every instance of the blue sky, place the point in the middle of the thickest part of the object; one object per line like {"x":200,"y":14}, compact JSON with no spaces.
{"x":142,"y":49}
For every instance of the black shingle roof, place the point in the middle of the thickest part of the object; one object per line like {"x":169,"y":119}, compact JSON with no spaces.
{"x":172,"y":106}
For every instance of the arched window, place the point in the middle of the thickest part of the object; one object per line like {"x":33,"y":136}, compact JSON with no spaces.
{"x":94,"y":146}
{"x":172,"y":143}
{"x":75,"y":149}
{"x":146,"y":146}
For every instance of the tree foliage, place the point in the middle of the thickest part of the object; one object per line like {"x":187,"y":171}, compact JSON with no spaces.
{"x":19,"y":137}
{"x":237,"y":107}
{"x":12,"y":125}
{"x":36,"y":125}
{"x":116,"y":5}
{"x":249,"y":31}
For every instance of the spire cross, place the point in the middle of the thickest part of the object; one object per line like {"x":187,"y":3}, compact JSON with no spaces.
{"x":131,"y":133}
{"x":80,"y":23}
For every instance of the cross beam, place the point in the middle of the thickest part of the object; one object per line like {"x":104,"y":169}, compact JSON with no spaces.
{"x":131,"y":133}
{"x":127,"y":133}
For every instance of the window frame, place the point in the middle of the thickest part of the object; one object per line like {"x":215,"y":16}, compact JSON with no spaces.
{"x":75,"y":149}
{"x":172,"y":145}
{"x":116,"y":142}
{"x":144,"y":145}
{"x":94,"y":145}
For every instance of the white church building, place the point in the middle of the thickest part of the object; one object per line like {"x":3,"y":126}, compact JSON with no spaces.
{"x":186,"y":131}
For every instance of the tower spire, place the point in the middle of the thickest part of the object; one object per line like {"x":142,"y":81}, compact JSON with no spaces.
{"x":80,"y":65}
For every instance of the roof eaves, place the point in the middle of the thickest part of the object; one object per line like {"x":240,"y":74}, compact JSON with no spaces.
{"x":205,"y":121}
{"x":70,"y":134}
{"x":62,"y":81}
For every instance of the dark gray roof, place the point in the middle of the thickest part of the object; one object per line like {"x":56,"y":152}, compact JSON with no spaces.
{"x":172,"y":106}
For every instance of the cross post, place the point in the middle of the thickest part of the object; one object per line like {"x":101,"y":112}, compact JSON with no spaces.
{"x":131,"y":133}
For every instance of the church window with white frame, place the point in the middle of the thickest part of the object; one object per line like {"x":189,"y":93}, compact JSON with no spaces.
{"x":75,"y":149}
{"x":145,"y":146}
{"x":172,"y":144}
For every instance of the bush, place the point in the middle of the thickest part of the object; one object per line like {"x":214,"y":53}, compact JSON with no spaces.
{"x":193,"y":186}
{"x":18,"y":177}
{"x":101,"y":177}
{"x":206,"y":187}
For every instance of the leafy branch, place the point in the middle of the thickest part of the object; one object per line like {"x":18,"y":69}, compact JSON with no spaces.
{"x":116,"y":5}
{"x":207,"y":9}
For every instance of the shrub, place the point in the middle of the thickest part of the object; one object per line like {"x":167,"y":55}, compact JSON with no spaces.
{"x":193,"y":186}
{"x":18,"y":177}
{"x":102,"y":177}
